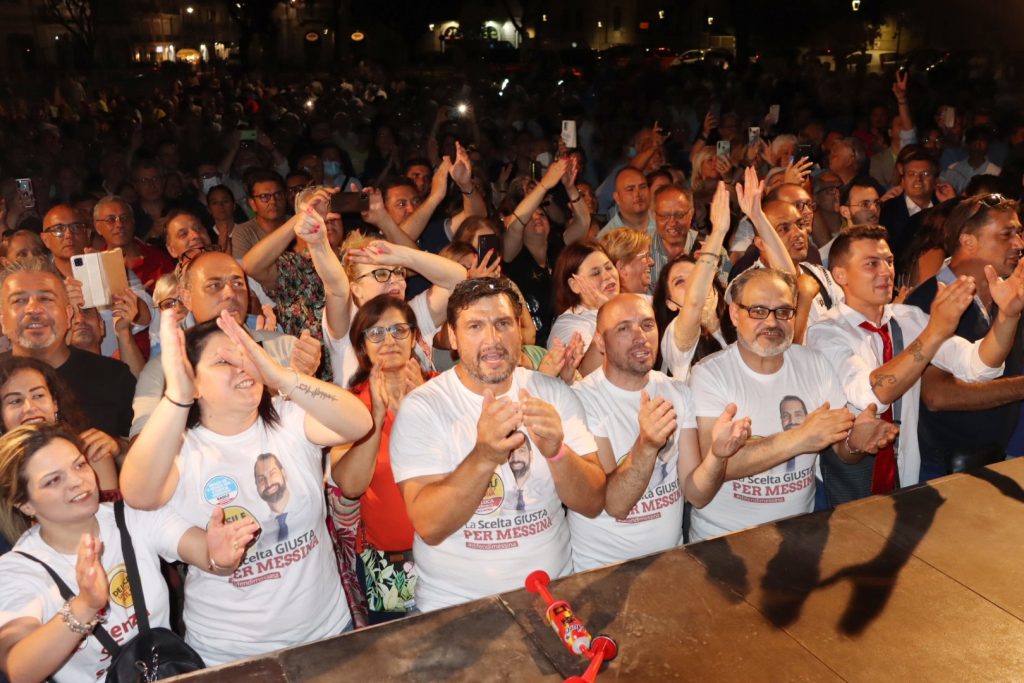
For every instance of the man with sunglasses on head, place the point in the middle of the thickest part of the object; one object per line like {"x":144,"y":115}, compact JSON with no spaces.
{"x":879,"y":350}
{"x":268,"y":198}
{"x":965,"y":425}
{"x":773,"y":475}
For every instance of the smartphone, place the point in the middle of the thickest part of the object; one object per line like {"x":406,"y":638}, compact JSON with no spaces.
{"x":350,"y":202}
{"x":102,"y":275}
{"x":773,"y":114}
{"x":753,"y":135}
{"x":536,"y":170}
{"x":949,"y":117}
{"x":803,"y":150}
{"x":486,"y":243}
{"x":569,"y":134}
{"x":25,"y":191}
{"x":248,"y":135}
{"x":724,"y":148}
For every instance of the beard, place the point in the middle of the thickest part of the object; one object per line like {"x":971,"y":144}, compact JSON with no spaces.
{"x":475,"y":367}
{"x":765,"y":349}
{"x":274,"y":493}
{"x":27,"y":342}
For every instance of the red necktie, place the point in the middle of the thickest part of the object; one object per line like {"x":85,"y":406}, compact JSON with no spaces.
{"x":883,"y":476}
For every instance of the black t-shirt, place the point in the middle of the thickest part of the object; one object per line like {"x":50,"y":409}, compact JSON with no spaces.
{"x":536,"y":284}
{"x":104,"y":388}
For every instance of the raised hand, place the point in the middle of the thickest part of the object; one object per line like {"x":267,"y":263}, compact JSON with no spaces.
{"x":728,"y":435}
{"x":721,"y":219}
{"x":376,"y":211}
{"x":306,"y":353}
{"x":554,"y":174}
{"x":572,"y":169}
{"x":899,"y":87}
{"x":125,"y":309}
{"x":267,"y":320}
{"x":949,"y":305}
{"x":377,"y":253}
{"x":944,"y":190}
{"x":98,"y":445}
{"x":590,"y":291}
{"x":798,"y":171}
{"x":870,"y":434}
{"x":226,"y":542}
{"x":249,"y":356}
{"x":462,"y":170}
{"x":657,"y":420}
{"x":748,"y":194}
{"x":439,"y":183}
{"x":824,"y":427}
{"x":90,"y":575}
{"x":543,"y":424}
{"x":490,"y":266}
{"x":310,"y":226}
{"x":496,"y":427}
{"x":1008,"y":293}
{"x":179,"y":376}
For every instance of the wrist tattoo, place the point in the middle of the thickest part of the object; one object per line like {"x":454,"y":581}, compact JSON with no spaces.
{"x":883,"y":379}
{"x":917,"y":351}
{"x":315,"y":392}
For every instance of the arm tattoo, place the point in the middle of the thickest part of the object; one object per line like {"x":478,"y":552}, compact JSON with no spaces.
{"x":315,"y":392}
{"x":916,"y":351}
{"x":883,"y":379}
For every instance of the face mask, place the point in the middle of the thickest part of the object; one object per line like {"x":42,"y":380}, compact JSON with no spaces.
{"x":544,"y":159}
{"x":210,"y":183}
{"x":332,"y":168}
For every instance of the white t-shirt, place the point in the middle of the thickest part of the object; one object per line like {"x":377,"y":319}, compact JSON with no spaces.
{"x":26,"y":590}
{"x":805,"y":380}
{"x":576,"y":319}
{"x":675,"y":361}
{"x":656,"y":521}
{"x":287,"y":590}
{"x":519,"y":525}
{"x":343,"y":356}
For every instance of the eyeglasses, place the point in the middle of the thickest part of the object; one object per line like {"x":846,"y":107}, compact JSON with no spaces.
{"x":112,"y":220}
{"x":168,"y":304}
{"x":678,"y":216}
{"x":62,"y":229}
{"x":866,"y":204}
{"x":265,"y":197}
{"x":802,"y":204}
{"x":385,"y":274}
{"x":762,"y":312}
{"x":924,"y":175}
{"x":397,"y":331}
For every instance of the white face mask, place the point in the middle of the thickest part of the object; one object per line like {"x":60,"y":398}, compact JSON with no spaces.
{"x":210,"y":183}
{"x":332,"y":168}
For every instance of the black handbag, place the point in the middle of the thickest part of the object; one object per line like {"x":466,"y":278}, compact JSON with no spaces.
{"x":154,"y":653}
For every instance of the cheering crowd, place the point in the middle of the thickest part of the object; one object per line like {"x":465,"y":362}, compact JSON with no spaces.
{"x":387,"y":346}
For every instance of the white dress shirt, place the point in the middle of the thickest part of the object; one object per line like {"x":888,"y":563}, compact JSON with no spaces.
{"x":855,"y":353}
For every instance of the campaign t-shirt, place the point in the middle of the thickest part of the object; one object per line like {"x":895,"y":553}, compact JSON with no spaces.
{"x":656,"y":521}
{"x":343,"y":356}
{"x":675,"y":361}
{"x":774,"y":403}
{"x":26,"y":590}
{"x":519,"y":525}
{"x":287,"y":590}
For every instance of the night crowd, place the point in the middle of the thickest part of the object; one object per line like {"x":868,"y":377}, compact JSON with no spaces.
{"x":388,"y":344}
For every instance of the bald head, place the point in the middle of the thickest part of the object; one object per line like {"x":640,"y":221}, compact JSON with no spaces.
{"x":65,"y":232}
{"x":627,"y":335}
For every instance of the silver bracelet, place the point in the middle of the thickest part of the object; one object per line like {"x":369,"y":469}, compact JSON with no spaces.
{"x":75,"y":625}
{"x":851,"y":449}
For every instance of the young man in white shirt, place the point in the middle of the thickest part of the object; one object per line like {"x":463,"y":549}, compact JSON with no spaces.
{"x":860,"y":341}
{"x":763,"y":374}
{"x":646,"y":432}
{"x":450,"y":449}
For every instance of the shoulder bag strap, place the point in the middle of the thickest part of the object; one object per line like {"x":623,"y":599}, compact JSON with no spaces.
{"x":65,"y":592}
{"x":132,"y":567}
{"x":822,"y":286}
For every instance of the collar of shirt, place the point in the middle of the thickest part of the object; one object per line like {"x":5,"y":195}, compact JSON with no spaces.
{"x":855,"y":318}
{"x":913,"y":208}
{"x":947,"y":277}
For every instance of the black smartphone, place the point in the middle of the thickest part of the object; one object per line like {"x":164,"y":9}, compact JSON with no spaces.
{"x":350,"y":202}
{"x":803,"y":151}
{"x":536,"y":170}
{"x":486,"y":243}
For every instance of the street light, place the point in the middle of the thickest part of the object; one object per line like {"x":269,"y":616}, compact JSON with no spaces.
{"x":190,"y":9}
{"x":711,"y":19}
{"x":855,"y":5}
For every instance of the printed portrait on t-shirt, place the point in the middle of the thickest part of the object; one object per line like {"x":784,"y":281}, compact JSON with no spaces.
{"x":519,"y":461}
{"x":663,"y":465}
{"x":792,"y":413}
{"x":272,"y":485}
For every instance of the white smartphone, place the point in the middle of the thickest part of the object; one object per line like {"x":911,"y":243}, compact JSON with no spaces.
{"x":569,"y":134}
{"x":753,"y":135}
{"x":724,"y":148}
{"x":949,"y":117}
{"x":773,"y":114}
{"x":102,"y":275}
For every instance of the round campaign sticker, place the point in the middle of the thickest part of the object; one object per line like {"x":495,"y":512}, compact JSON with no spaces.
{"x":493,"y":496}
{"x":120,"y":590}
{"x":220,"y":490}
{"x":235,"y":512}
